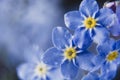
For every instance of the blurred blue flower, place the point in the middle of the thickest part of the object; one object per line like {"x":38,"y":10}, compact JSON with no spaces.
{"x":89,"y":22}
{"x":108,"y":58}
{"x":66,"y":54}
{"x":114,"y":27}
{"x":35,"y":69}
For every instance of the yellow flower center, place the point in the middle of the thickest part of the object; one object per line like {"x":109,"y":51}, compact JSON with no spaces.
{"x":41,"y":69}
{"x":112,"y":56}
{"x":70,"y":53}
{"x":90,"y":23}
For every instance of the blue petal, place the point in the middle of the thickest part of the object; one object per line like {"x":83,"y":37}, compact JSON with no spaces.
{"x":101,"y":35}
{"x":53,"y":57}
{"x":61,"y":37}
{"x":91,"y":76}
{"x":84,"y":59}
{"x":73,"y":20}
{"x":26,"y":71}
{"x":89,"y":7}
{"x":118,"y":44}
{"x":82,"y":38}
{"x":98,"y":60}
{"x":105,"y":17}
{"x":55,"y":74}
{"x":104,"y":48}
{"x":114,"y":28}
{"x":69,"y":70}
{"x":118,"y":12}
{"x":109,"y":71}
{"x":117,"y":61}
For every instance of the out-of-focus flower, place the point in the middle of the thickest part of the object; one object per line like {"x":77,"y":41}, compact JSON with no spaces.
{"x":35,"y":69}
{"x":114,"y":27}
{"x":108,"y":58}
{"x":89,"y":22}
{"x":67,"y":55}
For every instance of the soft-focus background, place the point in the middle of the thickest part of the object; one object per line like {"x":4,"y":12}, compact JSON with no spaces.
{"x":25,"y":23}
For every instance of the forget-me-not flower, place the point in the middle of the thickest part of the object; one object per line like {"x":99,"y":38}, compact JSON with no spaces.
{"x":89,"y":22}
{"x":67,"y":55}
{"x":108,"y":58}
{"x":35,"y":69}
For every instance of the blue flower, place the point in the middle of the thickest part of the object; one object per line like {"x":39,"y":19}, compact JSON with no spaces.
{"x":114,"y":27}
{"x":89,"y":22}
{"x":36,"y":69}
{"x":66,"y":54}
{"x":108,"y":58}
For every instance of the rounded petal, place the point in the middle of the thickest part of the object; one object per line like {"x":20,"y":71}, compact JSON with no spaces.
{"x":53,"y":57}
{"x":108,"y":71}
{"x":101,"y":35}
{"x":105,"y":17}
{"x":69,"y":70}
{"x":73,"y":20}
{"x":104,"y":48}
{"x":84,"y":59}
{"x":82,"y":38}
{"x":26,"y":71}
{"x":89,"y":7}
{"x":61,"y":37}
{"x":91,"y":76}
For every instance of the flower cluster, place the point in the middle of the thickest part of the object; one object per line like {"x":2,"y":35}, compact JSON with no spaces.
{"x":70,"y":51}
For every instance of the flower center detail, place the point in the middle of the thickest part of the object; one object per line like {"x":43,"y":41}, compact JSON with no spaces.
{"x":41,"y":69}
{"x":90,"y":23}
{"x":112,"y":56}
{"x":70,"y":53}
